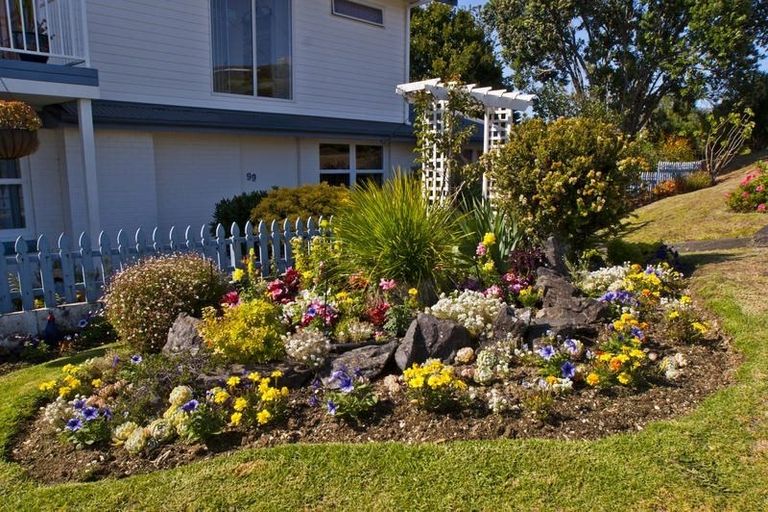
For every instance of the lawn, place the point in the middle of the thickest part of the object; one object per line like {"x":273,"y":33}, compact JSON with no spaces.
{"x":700,"y":215}
{"x":713,"y":459}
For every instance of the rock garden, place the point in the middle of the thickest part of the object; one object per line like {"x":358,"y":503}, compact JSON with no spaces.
{"x":402,"y":321}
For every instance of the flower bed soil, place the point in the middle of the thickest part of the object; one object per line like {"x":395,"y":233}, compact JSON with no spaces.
{"x":586,"y":414}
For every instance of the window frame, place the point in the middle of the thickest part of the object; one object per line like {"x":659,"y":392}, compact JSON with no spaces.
{"x":26,"y":197}
{"x":363,"y":3}
{"x":353,"y":170}
{"x":254,"y":95}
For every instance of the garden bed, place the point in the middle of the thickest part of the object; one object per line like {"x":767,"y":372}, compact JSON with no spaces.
{"x":588,"y":414}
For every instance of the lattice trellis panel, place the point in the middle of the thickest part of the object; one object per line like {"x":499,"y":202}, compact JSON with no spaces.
{"x":435,"y":177}
{"x":499,"y":122}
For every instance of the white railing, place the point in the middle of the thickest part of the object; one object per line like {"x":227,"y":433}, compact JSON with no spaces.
{"x":669,"y":171}
{"x":52,"y":31}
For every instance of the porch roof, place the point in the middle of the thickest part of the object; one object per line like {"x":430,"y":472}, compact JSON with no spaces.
{"x":145,"y":115}
{"x":123,"y":114}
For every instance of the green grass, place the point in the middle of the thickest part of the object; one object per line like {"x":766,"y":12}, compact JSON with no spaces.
{"x":712,"y":459}
{"x":700,"y":215}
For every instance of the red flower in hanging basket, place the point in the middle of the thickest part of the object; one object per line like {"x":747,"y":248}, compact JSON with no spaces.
{"x":18,"y":130}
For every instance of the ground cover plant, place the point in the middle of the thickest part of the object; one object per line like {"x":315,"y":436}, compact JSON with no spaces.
{"x":752,"y":194}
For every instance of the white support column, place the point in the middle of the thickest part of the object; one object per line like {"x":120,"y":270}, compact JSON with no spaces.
{"x":88,"y":144}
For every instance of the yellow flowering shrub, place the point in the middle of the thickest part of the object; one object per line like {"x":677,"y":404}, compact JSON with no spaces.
{"x":248,"y":332}
{"x":433,"y":385}
{"x":252,"y":400}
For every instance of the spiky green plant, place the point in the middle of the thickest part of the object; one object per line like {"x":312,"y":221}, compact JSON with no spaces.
{"x":393,"y":232}
{"x":481,"y":218}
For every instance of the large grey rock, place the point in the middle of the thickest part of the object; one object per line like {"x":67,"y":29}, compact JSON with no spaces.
{"x":183,"y":337}
{"x":511,"y":323}
{"x":370,"y":361}
{"x":429,"y":337}
{"x":556,"y":251}
{"x":564,"y":312}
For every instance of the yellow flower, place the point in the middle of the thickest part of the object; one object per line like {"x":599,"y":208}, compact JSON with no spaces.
{"x":96,"y":383}
{"x":489,"y":239}
{"x":240,"y":404}
{"x":270,"y":394}
{"x":551,"y":380}
{"x":233,"y":381}
{"x":263,"y":417}
{"x":69,"y":369}
{"x":64,"y":391}
{"x":593,"y":379}
{"x":236,"y":418}
{"x":324,"y":223}
{"x":673,"y":314}
{"x":488,"y":266}
{"x":686,"y":300}
{"x":284,"y":391}
{"x":47,"y":386}
{"x":624,"y":378}
{"x":238,"y":274}
{"x":342,"y":296}
{"x":254,"y":376}
{"x":699,"y":327}
{"x":413,"y":292}
{"x":636,"y":353}
{"x":220,"y":396}
{"x":416,"y":382}
{"x":276,"y":374}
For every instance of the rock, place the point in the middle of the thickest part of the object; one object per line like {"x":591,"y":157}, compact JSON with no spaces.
{"x":183,"y":336}
{"x":555,"y":251}
{"x":369,"y":361}
{"x":429,"y":337}
{"x":511,"y":323}
{"x":564,"y":312}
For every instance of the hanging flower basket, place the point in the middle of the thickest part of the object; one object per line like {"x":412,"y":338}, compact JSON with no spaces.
{"x":18,"y":130}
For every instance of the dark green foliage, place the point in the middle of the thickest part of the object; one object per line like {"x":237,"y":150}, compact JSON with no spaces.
{"x":236,"y":209}
{"x":452,"y":43}
{"x":627,"y":56}
{"x":300,"y":202}
{"x":481,"y":218}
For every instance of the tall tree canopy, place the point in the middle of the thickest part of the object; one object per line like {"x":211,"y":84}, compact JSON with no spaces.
{"x":626,"y":55}
{"x":448,"y":42}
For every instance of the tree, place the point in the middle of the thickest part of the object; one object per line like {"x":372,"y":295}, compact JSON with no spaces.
{"x":725,"y":138}
{"x":452,"y":43}
{"x":628,"y":55}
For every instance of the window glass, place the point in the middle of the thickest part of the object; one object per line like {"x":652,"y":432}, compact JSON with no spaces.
{"x":359,"y":11}
{"x":9,"y":170}
{"x":273,"y":48}
{"x":11,"y":198}
{"x":369,"y":177}
{"x":369,"y":157}
{"x":335,"y":179}
{"x":232,"y":37}
{"x":334,"y":156}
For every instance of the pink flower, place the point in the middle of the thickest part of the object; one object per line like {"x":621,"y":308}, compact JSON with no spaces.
{"x":387,"y":285}
{"x":745,"y":195}
{"x":761,"y":208}
{"x":494,"y":291}
{"x":759,"y":188}
{"x":481,"y":250}
{"x":231,"y":299}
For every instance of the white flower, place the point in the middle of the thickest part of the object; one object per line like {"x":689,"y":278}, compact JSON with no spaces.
{"x":122,"y":432}
{"x":180,"y":395}
{"x":307,"y":346}
{"x":465,"y":355}
{"x":355,"y":331}
{"x":469,"y":308}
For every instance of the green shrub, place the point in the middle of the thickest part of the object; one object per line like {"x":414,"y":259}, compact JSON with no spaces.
{"x":300,"y":202}
{"x":570,"y":178}
{"x":236,"y":209}
{"x":480,"y":219}
{"x":248,"y":332}
{"x":393,"y":232}
{"x":696,"y":181}
{"x":144,"y":299}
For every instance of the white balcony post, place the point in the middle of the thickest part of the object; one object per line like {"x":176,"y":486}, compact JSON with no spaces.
{"x":88,"y":143}
{"x":86,"y":48}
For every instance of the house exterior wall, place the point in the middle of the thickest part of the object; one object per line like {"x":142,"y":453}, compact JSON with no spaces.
{"x":160,"y":52}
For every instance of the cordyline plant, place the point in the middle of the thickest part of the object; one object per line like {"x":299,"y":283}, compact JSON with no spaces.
{"x":17,"y":115}
{"x":725,"y":139}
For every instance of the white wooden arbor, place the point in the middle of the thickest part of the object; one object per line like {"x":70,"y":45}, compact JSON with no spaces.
{"x":499,"y":106}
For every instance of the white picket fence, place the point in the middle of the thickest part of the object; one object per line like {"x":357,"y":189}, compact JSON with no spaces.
{"x":669,"y":171}
{"x":61,"y":274}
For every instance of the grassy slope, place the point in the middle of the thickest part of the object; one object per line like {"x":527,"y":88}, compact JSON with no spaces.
{"x":700,"y":215}
{"x":713,"y":459}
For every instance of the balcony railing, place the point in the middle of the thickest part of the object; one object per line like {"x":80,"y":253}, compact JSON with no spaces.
{"x":52,"y":31}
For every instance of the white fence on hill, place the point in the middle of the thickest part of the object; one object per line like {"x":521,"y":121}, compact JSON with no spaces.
{"x":669,"y":171}
{"x":41,"y":274}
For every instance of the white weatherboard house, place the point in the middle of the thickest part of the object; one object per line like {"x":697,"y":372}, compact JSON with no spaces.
{"x":156,"y":109}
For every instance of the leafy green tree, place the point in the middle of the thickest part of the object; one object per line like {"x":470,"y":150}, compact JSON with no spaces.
{"x":627,"y":55}
{"x":448,"y":43}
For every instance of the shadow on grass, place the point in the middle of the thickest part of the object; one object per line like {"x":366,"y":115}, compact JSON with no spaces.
{"x":692,"y":261}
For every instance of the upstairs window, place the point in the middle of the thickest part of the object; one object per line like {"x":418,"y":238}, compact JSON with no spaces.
{"x":252,"y":47}
{"x":359,"y":11}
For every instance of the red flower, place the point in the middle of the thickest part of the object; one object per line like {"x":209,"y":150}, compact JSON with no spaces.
{"x":231,"y":298}
{"x":377,"y":315}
